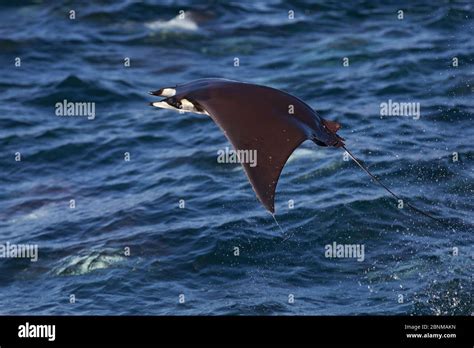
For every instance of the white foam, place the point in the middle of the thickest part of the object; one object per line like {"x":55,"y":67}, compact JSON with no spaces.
{"x":77,"y":265}
{"x":306,"y":153}
{"x":177,"y":23}
{"x":34,"y":215}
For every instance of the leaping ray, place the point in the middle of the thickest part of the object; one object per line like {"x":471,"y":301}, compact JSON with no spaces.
{"x":260,"y":118}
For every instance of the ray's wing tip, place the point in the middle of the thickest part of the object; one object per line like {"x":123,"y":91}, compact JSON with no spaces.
{"x":269,"y":206}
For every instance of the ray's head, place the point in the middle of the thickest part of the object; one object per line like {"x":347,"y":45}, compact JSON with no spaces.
{"x":174,"y":100}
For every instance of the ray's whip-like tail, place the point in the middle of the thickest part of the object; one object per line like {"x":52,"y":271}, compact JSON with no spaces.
{"x":390,"y":191}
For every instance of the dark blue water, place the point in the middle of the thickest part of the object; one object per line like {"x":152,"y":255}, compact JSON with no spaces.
{"x":134,"y":204}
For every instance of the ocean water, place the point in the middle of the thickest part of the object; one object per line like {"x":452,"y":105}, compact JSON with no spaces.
{"x":182,"y":261}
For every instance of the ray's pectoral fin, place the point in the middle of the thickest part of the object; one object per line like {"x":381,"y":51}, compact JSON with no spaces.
{"x":264,"y":173}
{"x":253,"y":124}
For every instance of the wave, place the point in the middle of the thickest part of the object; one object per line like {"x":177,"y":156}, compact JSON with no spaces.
{"x":186,"y":20}
{"x":73,"y":88}
{"x":82,"y":264}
